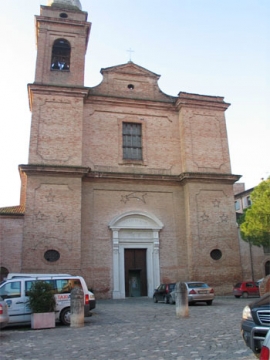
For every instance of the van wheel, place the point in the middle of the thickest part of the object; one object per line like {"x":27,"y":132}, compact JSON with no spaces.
{"x":65,"y":316}
{"x":154,"y":299}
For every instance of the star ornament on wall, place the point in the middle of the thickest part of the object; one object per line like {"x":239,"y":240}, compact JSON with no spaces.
{"x":224,"y":217}
{"x":50,"y":197}
{"x":204,"y":217}
{"x":40,"y":216}
{"x":61,"y":218}
{"x":216,"y":203}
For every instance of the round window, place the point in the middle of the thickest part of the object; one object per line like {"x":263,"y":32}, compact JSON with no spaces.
{"x":52,"y":255}
{"x":216,"y":254}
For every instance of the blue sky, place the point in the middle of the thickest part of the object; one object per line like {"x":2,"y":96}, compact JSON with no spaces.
{"x":210,"y":47}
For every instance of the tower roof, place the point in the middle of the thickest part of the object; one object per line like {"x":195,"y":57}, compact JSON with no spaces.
{"x":66,"y":4}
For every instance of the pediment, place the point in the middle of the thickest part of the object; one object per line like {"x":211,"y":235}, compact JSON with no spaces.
{"x":130,"y":81}
{"x":136,"y":220}
{"x":131,"y":69}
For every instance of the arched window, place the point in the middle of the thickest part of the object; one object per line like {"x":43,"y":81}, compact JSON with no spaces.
{"x":61,"y":55}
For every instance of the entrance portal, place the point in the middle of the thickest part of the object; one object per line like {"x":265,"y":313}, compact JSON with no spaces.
{"x":135,"y":272}
{"x":135,"y":237}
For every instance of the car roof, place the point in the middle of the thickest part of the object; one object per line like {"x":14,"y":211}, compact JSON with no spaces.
{"x":47,"y":277}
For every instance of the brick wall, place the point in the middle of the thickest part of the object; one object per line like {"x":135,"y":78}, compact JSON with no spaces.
{"x":52,"y":222}
{"x":11,"y":238}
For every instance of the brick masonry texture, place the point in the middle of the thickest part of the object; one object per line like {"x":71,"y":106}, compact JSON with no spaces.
{"x":77,"y":182}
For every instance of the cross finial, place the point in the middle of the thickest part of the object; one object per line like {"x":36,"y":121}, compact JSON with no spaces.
{"x":130,"y":51}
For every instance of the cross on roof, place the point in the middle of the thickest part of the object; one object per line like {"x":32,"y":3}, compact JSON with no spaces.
{"x":130,"y":51}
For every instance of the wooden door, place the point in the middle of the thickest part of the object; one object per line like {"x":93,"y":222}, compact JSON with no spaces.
{"x":135,"y":267}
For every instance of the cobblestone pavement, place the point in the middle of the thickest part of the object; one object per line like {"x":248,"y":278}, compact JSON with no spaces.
{"x":135,"y":329}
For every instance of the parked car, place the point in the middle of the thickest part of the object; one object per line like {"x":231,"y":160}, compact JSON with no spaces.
{"x":197,"y":292}
{"x":15,"y":293}
{"x":92,"y":299}
{"x":160,"y":293}
{"x":256,"y":323}
{"x":265,"y":352}
{"x":245,"y":289}
{"x":4,"y":318}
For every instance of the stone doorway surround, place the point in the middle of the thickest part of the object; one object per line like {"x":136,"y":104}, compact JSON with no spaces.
{"x":135,"y":230}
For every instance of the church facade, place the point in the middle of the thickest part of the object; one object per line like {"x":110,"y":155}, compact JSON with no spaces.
{"x":124,"y":185}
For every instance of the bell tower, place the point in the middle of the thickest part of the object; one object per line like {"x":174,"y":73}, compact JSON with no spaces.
{"x":62,"y":34}
{"x":53,"y":195}
{"x":57,"y":95}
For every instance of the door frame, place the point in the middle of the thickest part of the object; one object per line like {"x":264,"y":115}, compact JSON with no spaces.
{"x":135,"y":230}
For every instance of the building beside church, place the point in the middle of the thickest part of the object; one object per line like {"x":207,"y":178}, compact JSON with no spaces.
{"x":124,"y":185}
{"x":255,"y":259}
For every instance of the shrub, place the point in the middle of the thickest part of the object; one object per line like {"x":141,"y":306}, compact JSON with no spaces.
{"x":41,"y":297}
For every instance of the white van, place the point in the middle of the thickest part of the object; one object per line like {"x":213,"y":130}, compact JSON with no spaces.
{"x":14,"y":292}
{"x":20,"y":275}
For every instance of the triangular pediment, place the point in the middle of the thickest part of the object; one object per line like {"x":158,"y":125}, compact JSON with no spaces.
{"x":130,"y":68}
{"x":130,"y":81}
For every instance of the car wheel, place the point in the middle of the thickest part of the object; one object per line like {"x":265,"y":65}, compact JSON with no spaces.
{"x":65,"y":316}
{"x":209,"y":302}
{"x":155,"y":299}
{"x":245,"y":295}
{"x":237,"y":296}
{"x":171,"y":300}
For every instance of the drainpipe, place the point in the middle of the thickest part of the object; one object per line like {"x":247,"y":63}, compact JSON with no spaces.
{"x":251,"y":261}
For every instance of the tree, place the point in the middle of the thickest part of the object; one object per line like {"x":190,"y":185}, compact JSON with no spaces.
{"x":255,"y":221}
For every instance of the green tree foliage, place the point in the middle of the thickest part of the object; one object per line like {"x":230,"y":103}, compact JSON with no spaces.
{"x":255,"y":222}
{"x":41,"y":297}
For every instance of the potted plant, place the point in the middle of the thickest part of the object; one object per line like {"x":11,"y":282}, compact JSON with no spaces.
{"x":42,"y":303}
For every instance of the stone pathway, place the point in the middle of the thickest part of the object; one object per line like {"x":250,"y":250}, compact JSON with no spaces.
{"x":135,"y":329}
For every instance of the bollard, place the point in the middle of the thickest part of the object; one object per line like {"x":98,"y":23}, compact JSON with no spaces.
{"x":181,"y":300}
{"x":77,"y":307}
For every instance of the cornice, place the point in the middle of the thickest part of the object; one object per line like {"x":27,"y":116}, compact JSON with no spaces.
{"x":54,"y":170}
{"x":201,"y":101}
{"x":137,"y":102}
{"x":61,"y":21}
{"x":130,"y":176}
{"x":208,"y":177}
{"x":87,"y":173}
{"x":57,"y":90}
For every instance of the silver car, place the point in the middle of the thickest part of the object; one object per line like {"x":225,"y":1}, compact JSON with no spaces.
{"x":4,"y":318}
{"x":197,"y":291}
{"x":265,"y":352}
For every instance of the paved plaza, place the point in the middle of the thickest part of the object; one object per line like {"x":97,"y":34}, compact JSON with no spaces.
{"x":135,"y":329}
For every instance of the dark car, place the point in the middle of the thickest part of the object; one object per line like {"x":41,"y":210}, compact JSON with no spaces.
{"x":256,"y":323}
{"x":161,"y":293}
{"x":245,"y":289}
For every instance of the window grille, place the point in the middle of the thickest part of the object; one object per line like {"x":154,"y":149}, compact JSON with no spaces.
{"x":132,"y":141}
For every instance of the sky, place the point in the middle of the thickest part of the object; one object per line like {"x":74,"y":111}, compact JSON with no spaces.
{"x":207,"y":47}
